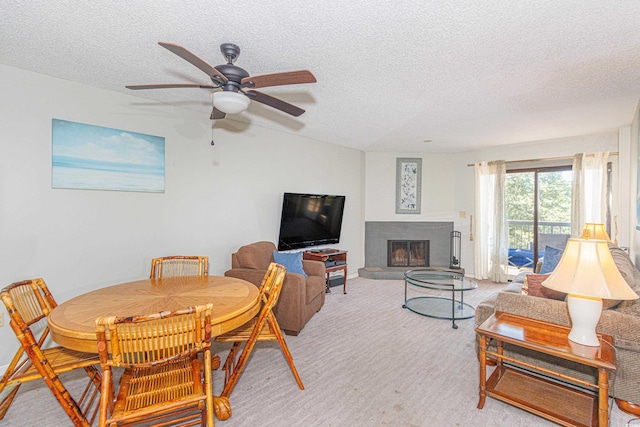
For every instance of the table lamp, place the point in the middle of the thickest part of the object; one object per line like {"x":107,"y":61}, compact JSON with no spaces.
{"x":595,"y":231}
{"x":587,"y":273}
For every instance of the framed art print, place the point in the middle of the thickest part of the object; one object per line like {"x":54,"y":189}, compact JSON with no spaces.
{"x":408,"y":185}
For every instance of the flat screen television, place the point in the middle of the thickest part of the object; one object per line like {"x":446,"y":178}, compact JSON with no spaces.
{"x":310,"y":220}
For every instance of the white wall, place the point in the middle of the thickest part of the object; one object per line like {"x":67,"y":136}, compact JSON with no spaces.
{"x":437,"y":187}
{"x":216,"y":198}
{"x":623,"y":222}
{"x":634,"y":191}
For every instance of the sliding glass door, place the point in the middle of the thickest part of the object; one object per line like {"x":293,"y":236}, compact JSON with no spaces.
{"x":538,"y":203}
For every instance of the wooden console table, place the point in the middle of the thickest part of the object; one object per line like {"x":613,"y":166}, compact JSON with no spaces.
{"x":333,"y":259}
{"x":559,"y":403}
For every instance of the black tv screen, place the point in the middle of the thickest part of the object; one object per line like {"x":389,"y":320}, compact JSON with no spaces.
{"x":310,"y":220}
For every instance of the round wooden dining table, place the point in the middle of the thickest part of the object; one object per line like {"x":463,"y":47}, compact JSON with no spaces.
{"x":235,"y":302}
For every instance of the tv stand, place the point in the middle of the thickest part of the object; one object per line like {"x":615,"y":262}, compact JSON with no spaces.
{"x":333,"y":259}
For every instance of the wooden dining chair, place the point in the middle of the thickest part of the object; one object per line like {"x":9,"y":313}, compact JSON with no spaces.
{"x":170,"y":266}
{"x":167,"y":367}
{"x":29,"y":302}
{"x":263,"y":327}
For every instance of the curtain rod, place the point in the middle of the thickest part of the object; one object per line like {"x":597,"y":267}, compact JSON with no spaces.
{"x":615,"y":153}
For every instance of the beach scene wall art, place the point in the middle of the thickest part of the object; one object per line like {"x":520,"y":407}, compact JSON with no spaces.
{"x":100,"y":158}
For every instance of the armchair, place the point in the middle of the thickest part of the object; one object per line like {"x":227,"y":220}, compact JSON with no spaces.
{"x":301,"y":297}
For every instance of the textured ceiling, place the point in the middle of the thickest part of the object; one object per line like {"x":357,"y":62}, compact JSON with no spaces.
{"x":391,"y":73}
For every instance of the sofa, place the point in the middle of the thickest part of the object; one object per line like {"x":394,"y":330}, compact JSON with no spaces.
{"x":301,"y":297}
{"x":620,"y":319}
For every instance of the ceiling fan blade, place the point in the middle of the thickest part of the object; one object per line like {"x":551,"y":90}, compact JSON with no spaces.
{"x":278,"y":79}
{"x":168,"y":86}
{"x":217,"y":114}
{"x":193,"y":59}
{"x":275,"y":103}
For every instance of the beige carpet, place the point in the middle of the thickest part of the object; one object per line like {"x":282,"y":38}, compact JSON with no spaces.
{"x":364,"y":361}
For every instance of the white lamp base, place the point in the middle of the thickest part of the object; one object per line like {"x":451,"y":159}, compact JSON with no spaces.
{"x":585,"y":314}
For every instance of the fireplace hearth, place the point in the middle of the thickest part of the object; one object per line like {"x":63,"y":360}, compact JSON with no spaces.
{"x":408,"y":253}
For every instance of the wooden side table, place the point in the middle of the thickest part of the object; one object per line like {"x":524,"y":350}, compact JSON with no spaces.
{"x":559,"y":403}
{"x":333,"y":259}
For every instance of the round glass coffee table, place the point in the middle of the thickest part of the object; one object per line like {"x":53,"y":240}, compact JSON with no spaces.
{"x":435,"y":306}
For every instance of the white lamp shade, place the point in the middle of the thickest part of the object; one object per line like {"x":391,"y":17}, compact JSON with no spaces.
{"x":594,"y":231}
{"x":587,"y":269}
{"x":230,"y":102}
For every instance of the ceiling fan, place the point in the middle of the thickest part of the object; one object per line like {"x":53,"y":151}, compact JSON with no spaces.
{"x":236,"y":83}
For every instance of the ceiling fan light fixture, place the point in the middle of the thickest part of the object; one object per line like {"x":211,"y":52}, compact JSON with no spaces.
{"x":230,"y":102}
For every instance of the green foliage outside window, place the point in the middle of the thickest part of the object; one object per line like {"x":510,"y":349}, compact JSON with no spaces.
{"x":554,"y":205}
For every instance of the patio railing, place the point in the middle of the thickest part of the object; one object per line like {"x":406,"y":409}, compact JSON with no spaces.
{"x":521,"y":232}
{"x":521,"y":254}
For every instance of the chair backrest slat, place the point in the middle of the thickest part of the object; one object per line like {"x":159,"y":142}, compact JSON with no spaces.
{"x":269,"y":293}
{"x":272,"y":285}
{"x":29,"y":303}
{"x":172,"y":266}
{"x":144,"y":340}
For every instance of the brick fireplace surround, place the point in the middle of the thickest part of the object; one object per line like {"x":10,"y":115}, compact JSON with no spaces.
{"x":377,"y":233}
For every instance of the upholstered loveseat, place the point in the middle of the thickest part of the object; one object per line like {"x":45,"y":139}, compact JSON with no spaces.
{"x":621,"y":320}
{"x":301,"y":297}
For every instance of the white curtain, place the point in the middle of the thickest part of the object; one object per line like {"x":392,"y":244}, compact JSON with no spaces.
{"x":491,"y":239}
{"x":589,"y":190}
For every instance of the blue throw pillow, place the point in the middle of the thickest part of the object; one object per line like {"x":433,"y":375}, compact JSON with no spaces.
{"x":551,"y":259}
{"x":291,"y":260}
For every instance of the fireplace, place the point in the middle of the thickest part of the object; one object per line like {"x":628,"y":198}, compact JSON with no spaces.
{"x":408,"y":253}
{"x":436,"y":234}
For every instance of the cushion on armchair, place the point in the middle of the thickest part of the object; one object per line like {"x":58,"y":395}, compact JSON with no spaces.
{"x":291,"y":260}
